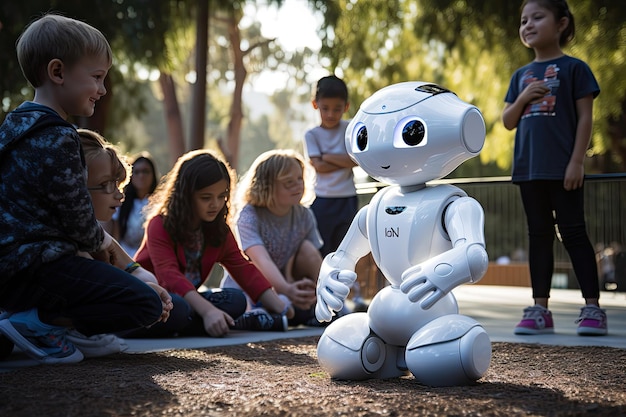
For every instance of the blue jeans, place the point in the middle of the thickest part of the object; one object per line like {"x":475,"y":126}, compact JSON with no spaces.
{"x":547,"y":204}
{"x":183,"y":321}
{"x":94,"y":296}
{"x":232,"y":301}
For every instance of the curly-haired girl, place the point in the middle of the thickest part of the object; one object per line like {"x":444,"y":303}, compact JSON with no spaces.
{"x":187,"y":233}
{"x":278,"y":231}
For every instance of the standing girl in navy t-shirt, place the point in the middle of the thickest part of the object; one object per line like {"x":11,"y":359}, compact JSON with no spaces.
{"x":550,"y":102}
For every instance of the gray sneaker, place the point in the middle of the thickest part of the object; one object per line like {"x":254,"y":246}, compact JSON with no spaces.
{"x":45,"y":343}
{"x":97,"y":345}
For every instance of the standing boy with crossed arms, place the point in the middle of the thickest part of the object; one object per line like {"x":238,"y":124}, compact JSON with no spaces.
{"x":336,"y":202}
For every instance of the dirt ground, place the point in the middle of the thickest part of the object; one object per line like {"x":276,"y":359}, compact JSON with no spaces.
{"x":283,"y":378}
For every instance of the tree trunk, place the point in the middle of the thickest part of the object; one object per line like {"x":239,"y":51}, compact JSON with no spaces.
{"x":236,"y":108}
{"x":198,"y":104}
{"x":173,"y":118}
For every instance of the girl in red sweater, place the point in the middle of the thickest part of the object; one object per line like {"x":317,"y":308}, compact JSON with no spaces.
{"x":187,"y":233}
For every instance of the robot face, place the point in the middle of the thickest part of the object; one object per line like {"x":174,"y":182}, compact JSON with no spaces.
{"x":414,"y":132}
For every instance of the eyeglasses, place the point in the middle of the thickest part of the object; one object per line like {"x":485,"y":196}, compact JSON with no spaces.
{"x":108,"y":187}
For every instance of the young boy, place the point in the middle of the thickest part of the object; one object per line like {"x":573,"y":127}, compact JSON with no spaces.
{"x":46,"y":210}
{"x":335,"y":202}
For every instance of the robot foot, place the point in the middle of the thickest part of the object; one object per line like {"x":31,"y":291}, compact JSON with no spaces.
{"x":348,"y":349}
{"x":451,"y":350}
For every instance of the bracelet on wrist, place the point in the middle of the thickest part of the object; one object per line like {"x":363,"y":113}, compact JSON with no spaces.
{"x":131,"y":267}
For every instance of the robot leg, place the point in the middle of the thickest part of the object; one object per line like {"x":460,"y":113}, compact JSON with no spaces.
{"x":450,"y":350}
{"x":349,"y":350}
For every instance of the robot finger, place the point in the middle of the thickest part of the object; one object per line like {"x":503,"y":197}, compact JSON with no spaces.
{"x":337,"y":288}
{"x":418,"y":293}
{"x":411,"y":283}
{"x":347,"y":277}
{"x":331,"y":300}
{"x":435,"y":296}
{"x":322,"y":313}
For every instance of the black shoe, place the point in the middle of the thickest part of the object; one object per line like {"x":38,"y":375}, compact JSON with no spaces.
{"x":261,"y":320}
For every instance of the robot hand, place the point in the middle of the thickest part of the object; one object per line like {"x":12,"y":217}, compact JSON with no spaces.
{"x":333,"y":286}
{"x":433,"y":279}
{"x":416,"y":284}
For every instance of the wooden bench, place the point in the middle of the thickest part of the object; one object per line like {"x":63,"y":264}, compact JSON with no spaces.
{"x":514,"y":274}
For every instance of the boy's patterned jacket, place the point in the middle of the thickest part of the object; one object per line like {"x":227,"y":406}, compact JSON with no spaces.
{"x":45,"y":207}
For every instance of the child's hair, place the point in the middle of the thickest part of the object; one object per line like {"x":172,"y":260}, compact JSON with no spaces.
{"x":173,"y":198}
{"x":331,"y":87}
{"x":258,"y":184}
{"x":54,"y":36}
{"x":130,"y":192}
{"x":560,"y":9}
{"x":94,"y":145}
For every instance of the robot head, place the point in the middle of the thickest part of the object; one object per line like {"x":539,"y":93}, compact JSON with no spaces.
{"x":413,"y":132}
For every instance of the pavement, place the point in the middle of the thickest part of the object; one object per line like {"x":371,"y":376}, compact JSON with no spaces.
{"x":497,"y":308}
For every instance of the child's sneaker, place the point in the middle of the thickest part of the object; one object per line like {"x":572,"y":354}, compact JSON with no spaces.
{"x":259,"y":319}
{"x":536,"y":320}
{"x":97,"y":345}
{"x":43,"y":342}
{"x":592,"y":321}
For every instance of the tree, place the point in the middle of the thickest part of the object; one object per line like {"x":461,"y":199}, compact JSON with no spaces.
{"x":150,"y":35}
{"x":136,"y":30}
{"x":229,"y":18}
{"x":472,"y":47}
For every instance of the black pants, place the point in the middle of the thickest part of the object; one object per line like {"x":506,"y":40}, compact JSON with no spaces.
{"x":548,"y":204}
{"x":334,"y":216}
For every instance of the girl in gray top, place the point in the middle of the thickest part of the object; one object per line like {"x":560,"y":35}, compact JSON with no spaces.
{"x":277,"y":232}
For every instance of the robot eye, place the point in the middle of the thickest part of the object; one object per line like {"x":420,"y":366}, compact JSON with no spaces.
{"x":413,"y":133}
{"x":361,"y":138}
{"x":410,"y":132}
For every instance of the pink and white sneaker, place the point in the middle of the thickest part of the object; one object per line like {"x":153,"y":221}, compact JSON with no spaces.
{"x":536,"y":320}
{"x":592,"y":321}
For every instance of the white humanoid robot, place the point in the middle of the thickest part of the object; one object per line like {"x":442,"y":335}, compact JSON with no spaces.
{"x":426,"y":240}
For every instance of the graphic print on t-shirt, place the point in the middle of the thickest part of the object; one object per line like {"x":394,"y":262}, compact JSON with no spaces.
{"x":545,"y":105}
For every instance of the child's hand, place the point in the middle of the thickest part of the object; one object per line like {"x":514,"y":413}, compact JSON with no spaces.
{"x":166,"y":300}
{"x":534,"y":92}
{"x":574,"y":176}
{"x":302,"y":293}
{"x":217,"y":322}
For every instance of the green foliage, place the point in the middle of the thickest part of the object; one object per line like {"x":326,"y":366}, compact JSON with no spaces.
{"x":136,"y":30}
{"x":472,"y":47}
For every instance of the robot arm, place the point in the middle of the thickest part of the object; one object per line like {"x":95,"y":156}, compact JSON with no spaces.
{"x":467,"y":261}
{"x":337,"y":271}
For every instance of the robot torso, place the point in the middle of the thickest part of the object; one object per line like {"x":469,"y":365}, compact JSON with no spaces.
{"x":406,"y":228}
